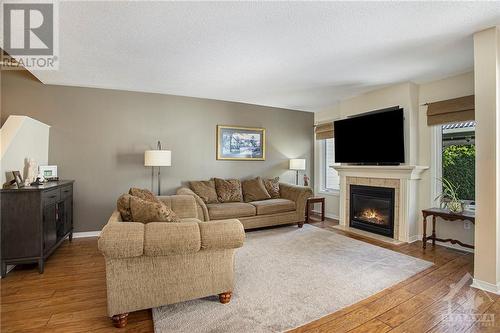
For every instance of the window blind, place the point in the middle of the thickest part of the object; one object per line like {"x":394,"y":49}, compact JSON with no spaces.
{"x":450,"y":111}
{"x":324,"y":131}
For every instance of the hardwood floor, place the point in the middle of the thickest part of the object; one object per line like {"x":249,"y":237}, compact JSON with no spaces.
{"x":71,"y":297}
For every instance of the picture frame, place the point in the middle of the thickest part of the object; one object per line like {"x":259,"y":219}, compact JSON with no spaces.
{"x":237,"y":143}
{"x":18,"y":178}
{"x":49,"y":172}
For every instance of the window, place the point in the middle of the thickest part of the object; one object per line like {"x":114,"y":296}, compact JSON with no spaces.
{"x":329,"y":176}
{"x":456,"y":152}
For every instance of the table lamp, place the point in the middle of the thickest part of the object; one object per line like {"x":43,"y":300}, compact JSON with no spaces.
{"x":297,"y":164}
{"x":157,"y":158}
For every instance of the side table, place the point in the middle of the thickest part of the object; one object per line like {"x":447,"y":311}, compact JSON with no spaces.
{"x":445,"y":214}
{"x":310,"y":203}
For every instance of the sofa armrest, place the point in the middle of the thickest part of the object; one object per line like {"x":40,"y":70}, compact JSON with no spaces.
{"x":296,"y":193}
{"x":184,"y":206}
{"x":169,"y":238}
{"x":122,"y":240}
{"x":223,"y":234}
{"x":200,"y":204}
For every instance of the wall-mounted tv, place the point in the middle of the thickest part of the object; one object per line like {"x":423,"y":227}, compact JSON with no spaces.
{"x":374,"y":138}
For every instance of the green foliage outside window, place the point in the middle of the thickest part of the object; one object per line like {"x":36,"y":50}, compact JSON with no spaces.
{"x":459,"y":169}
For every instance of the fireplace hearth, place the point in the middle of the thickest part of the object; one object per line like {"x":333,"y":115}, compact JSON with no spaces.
{"x":372,"y":209}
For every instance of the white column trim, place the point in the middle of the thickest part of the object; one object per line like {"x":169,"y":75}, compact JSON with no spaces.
{"x":436,"y":163}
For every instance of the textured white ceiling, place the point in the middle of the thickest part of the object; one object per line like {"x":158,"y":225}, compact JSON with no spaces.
{"x":297,"y":55}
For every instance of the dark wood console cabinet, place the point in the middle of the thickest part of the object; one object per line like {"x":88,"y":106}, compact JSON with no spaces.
{"x":35,"y":221}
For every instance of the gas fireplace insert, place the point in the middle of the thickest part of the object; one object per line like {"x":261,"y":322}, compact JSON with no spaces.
{"x":372,"y":209}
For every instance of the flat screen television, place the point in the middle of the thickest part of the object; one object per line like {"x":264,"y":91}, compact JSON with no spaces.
{"x":376,"y":138}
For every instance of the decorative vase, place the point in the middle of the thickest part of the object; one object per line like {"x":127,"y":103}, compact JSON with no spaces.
{"x":455,"y":206}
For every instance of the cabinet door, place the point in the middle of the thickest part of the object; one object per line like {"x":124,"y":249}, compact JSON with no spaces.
{"x":68,"y":214}
{"x":49,"y":226}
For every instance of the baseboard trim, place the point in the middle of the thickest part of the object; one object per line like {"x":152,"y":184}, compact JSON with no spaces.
{"x":486,"y":286}
{"x":448,"y":245}
{"x":415,"y":238}
{"x":86,"y":234}
{"x":330,"y":216}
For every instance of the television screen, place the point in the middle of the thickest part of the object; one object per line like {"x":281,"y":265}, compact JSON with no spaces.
{"x":376,"y":138}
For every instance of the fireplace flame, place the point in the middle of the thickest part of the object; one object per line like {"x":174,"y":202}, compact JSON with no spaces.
{"x":373,"y":216}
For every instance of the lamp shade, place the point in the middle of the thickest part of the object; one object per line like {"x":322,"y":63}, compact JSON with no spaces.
{"x":297,"y":164}
{"x":157,"y":158}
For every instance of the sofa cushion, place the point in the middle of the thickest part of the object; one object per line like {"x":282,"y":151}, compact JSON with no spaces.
{"x":144,"y":194}
{"x":205,"y":189}
{"x":147,"y":211}
{"x":228,"y":190}
{"x":254,"y":190}
{"x":230,"y":210}
{"x":123,"y":206}
{"x":273,"y":187}
{"x":273,"y":206}
{"x":190,"y":219}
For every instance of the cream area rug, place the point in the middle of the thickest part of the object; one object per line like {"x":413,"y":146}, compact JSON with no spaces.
{"x":287,"y":277}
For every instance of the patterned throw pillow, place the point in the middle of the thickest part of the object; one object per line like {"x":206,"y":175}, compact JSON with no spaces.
{"x":228,"y":190}
{"x":123,"y":206}
{"x":148,"y":211}
{"x":144,"y":194}
{"x":254,"y":190}
{"x":273,"y":187}
{"x":205,"y":189}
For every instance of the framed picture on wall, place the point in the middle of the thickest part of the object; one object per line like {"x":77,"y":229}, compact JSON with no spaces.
{"x":241,"y":143}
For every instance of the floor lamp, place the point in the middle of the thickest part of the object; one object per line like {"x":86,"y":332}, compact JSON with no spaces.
{"x":157,"y":158}
{"x":297,"y":164}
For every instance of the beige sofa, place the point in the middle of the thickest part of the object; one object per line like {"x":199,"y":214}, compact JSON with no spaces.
{"x":289,"y":208}
{"x":159,"y":263}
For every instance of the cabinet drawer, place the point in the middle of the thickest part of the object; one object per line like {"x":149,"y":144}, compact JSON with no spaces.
{"x":66,"y":191}
{"x":50,"y":197}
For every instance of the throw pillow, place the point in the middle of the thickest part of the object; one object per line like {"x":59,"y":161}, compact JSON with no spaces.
{"x":273,"y":187}
{"x":148,"y":211}
{"x":205,"y":189}
{"x":254,"y":190}
{"x":123,"y":206}
{"x":228,"y":190}
{"x":143,"y":194}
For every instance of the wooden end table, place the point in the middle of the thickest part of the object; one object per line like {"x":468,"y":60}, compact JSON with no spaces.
{"x":445,"y":214}
{"x":310,"y":202}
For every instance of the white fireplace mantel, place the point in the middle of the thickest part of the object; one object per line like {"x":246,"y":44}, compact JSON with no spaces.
{"x":407,"y":176}
{"x":382,"y":171}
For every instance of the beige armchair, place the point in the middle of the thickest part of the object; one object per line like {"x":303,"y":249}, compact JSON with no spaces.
{"x":160,"y":263}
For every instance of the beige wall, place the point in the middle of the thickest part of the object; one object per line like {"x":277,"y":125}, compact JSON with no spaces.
{"x":404,"y":95}
{"x":452,"y":87}
{"x":417,"y":134}
{"x":98,"y":138}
